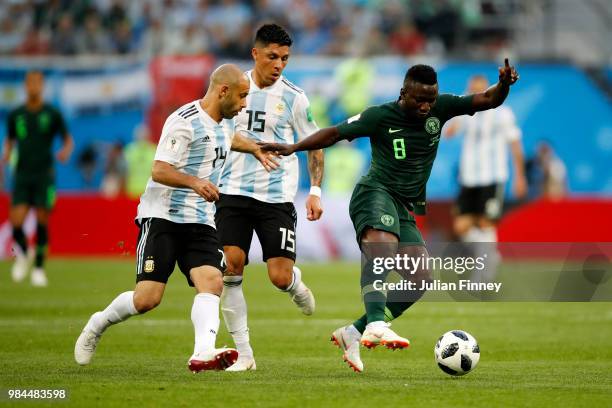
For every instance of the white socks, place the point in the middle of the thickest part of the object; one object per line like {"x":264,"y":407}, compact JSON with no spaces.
{"x":205,"y":318}
{"x":234,"y":309}
{"x":119,"y":310}
{"x":296,"y":282}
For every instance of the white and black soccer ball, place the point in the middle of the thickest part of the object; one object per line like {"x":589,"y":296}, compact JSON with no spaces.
{"x":457,"y":352}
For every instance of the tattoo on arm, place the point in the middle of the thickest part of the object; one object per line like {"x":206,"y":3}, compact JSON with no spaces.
{"x":315,"y":167}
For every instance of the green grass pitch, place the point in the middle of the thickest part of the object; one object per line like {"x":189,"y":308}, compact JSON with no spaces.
{"x":533,"y":354}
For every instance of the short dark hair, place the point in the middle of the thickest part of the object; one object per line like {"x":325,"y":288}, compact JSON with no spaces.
{"x":423,"y":74}
{"x":272,"y":34}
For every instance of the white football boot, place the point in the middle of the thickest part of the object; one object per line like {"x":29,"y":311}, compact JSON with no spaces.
{"x":39,"y":278}
{"x":86,"y":344}
{"x":302,"y":296}
{"x":347,"y":338}
{"x":379,"y":333}
{"x":243,"y":363}
{"x":215,"y":359}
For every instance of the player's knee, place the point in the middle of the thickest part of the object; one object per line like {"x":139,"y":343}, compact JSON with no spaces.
{"x":144,"y":303}
{"x":215,"y":284}
{"x":378,"y":244}
{"x":234,"y":267}
{"x":207,"y":280}
{"x":281,"y":277}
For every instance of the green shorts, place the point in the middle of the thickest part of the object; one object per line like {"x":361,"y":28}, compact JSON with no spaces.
{"x":37,"y":191}
{"x":376,"y":208}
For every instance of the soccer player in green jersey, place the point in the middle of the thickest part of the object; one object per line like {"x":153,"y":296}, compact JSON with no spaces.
{"x":404,"y":136}
{"x":32,"y":127}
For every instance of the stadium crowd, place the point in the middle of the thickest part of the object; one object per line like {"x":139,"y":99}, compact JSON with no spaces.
{"x":225,"y":27}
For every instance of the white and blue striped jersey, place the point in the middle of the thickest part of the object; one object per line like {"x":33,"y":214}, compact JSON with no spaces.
{"x":279,"y":113}
{"x":195,"y":144}
{"x":484,"y":154}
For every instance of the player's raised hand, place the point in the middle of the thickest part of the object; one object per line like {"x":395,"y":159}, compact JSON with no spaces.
{"x":206,"y":190}
{"x":279,"y":149}
{"x":507,"y":74}
{"x":267,"y":159}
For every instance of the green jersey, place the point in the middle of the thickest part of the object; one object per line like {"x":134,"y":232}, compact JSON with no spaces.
{"x":403,"y":148}
{"x":34,"y":133}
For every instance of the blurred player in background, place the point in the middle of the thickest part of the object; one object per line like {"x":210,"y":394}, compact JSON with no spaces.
{"x":483,"y":173}
{"x":32,"y":127}
{"x":253,"y":200}
{"x":404,"y":136}
{"x":176,"y":219}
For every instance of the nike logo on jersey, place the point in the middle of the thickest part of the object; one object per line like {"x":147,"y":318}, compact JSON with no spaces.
{"x":395,"y":130}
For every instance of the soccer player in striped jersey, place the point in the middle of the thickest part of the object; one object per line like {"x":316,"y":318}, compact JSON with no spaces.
{"x":253,"y":200}
{"x":483,"y":170}
{"x":176,"y":219}
{"x":404,"y":135}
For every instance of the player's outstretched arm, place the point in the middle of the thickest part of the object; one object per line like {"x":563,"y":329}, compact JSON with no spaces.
{"x":167,"y":174}
{"x":318,"y":140}
{"x":496,"y":95}
{"x":245,"y":145}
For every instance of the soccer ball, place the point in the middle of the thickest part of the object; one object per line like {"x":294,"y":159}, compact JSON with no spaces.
{"x":457,"y":352}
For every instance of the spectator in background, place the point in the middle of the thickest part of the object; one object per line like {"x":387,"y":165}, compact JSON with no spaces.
{"x":10,"y":36}
{"x":153,"y":42}
{"x":392,"y":15}
{"x":264,"y":10}
{"x":230,"y":46}
{"x":34,"y":43}
{"x":113,"y":182}
{"x":339,"y":25}
{"x":340,"y":42}
{"x":115,"y":15}
{"x":92,"y":39}
{"x":436,"y":18}
{"x":122,"y":38}
{"x":232,"y":15}
{"x":406,"y":40}
{"x":546,"y":173}
{"x":312,"y":39}
{"x":64,"y":37}
{"x":139,"y":156}
{"x":190,"y":40}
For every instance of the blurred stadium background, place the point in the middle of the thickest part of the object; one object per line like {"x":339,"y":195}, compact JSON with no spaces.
{"x":117,"y":68}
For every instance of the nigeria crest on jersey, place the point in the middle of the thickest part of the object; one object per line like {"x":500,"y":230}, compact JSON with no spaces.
{"x":387,"y":220}
{"x":432,"y":125}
